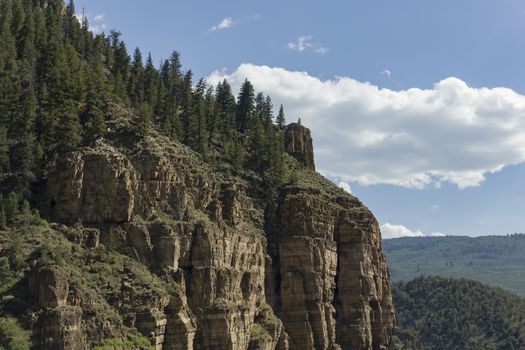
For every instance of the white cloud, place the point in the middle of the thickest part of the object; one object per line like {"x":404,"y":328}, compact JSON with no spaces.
{"x":99,"y":18}
{"x":224,"y":24}
{"x":94,"y":28}
{"x":98,"y":29}
{"x":389,"y":231}
{"x":304,"y":43}
{"x":387,"y":73}
{"x":345,"y":186}
{"x":434,"y":207}
{"x":414,"y":138}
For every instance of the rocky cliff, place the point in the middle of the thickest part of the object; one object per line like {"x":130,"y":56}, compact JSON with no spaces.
{"x":153,"y":241}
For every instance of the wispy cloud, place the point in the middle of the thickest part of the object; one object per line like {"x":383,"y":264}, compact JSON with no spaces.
{"x":387,"y":73}
{"x":96,"y":23}
{"x":434,"y":207}
{"x":397,"y":231}
{"x":254,"y":17}
{"x":304,"y":43}
{"x":224,"y":24}
{"x":99,"y":18}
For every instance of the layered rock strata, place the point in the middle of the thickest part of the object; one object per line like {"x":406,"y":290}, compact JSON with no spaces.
{"x":308,"y":273}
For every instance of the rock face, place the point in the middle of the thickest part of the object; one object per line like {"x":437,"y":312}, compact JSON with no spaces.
{"x":333,"y":289}
{"x":306,"y":273}
{"x":299,"y":144}
{"x":58,"y":325}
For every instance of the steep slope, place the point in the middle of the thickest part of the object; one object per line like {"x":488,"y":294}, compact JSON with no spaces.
{"x":439,"y":313}
{"x":153,"y":241}
{"x":494,"y":260}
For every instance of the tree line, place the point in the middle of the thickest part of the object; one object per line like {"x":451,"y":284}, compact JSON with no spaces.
{"x":57,"y":78}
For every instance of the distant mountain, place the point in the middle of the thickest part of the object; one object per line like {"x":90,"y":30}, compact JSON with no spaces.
{"x":447,"y":314}
{"x":495,"y":260}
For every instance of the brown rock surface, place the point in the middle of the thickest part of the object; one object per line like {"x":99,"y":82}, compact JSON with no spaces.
{"x":49,"y":286}
{"x":307,"y":274}
{"x":299,"y":144}
{"x":333,"y":289}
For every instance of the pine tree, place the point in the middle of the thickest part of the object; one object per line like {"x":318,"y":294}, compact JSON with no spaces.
{"x":150,"y":82}
{"x":235,"y":153}
{"x":11,"y":207}
{"x":71,"y":25}
{"x":281,"y":121}
{"x":257,"y":144}
{"x":145,"y":117}
{"x":268,"y":111}
{"x":245,"y":107}
{"x":260,"y":106}
{"x":26,"y":42}
{"x":19,"y":15}
{"x":94,"y":121}
{"x":188,"y":121}
{"x":4,"y":150}
{"x":120,"y":65}
{"x":200,"y":140}
{"x":225,"y":107}
{"x":8,"y":67}
{"x":175,"y":74}
{"x":23,"y":157}
{"x":68,"y":128}
{"x":211,"y":114}
{"x":3,"y":217}
{"x":136,"y":80}
{"x":86,"y":40}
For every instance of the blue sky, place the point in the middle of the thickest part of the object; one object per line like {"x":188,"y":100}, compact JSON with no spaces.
{"x":417,"y":171}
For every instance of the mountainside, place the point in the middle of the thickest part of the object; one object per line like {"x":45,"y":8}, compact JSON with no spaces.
{"x":139,"y":210}
{"x":440,"y":313}
{"x":494,"y":260}
{"x":158,"y":244}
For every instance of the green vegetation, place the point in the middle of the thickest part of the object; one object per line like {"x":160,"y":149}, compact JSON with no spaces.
{"x":439,"y":313}
{"x":259,"y":333}
{"x":494,"y":260}
{"x":12,"y":336}
{"x":58,"y":81}
{"x":135,"y":343}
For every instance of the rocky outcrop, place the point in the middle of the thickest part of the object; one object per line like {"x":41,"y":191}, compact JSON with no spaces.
{"x":308,"y":273}
{"x":299,"y":144}
{"x":333,"y":289}
{"x":58,"y":326}
{"x":49,"y":286}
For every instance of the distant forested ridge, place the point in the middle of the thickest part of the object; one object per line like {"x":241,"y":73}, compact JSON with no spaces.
{"x":495,"y":260}
{"x":456,"y":314}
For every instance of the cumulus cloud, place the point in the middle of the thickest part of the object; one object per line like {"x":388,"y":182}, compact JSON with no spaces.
{"x":345,"y":186}
{"x":389,"y":231}
{"x":224,"y":24}
{"x":304,"y":43}
{"x":414,"y":138}
{"x":387,"y":73}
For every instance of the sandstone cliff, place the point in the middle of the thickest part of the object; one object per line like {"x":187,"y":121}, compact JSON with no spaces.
{"x":156,"y":242}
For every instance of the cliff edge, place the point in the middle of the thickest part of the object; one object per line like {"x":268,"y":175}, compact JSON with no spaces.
{"x":150,"y":240}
